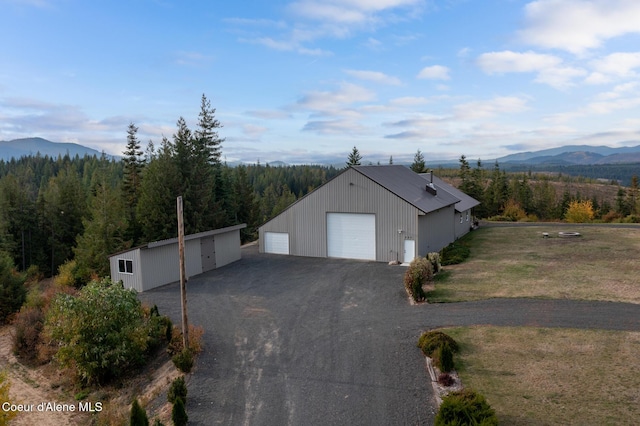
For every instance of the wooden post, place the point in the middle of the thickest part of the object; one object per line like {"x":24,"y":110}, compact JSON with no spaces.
{"x":183,"y":287}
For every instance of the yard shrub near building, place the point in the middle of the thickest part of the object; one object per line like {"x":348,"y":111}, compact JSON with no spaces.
{"x":102,"y":332}
{"x":455,"y":253}
{"x":434,"y":258}
{"x":418,"y":273}
{"x":178,"y":389}
{"x":465,"y":407}
{"x":430,"y":341}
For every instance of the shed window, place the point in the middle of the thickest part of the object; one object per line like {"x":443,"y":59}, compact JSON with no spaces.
{"x":460,"y":217}
{"x":125,"y":266}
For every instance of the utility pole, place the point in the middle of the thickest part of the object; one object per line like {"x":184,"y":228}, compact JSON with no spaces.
{"x":183,"y":288}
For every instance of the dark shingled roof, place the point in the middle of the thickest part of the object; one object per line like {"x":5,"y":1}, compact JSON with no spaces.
{"x":409,"y":186}
{"x":466,"y":202}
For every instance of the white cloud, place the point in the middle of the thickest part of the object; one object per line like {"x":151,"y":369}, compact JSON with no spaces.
{"x":496,"y":106}
{"x":577,"y":26}
{"x":409,"y":101}
{"x":334,"y":101}
{"x":375,"y":76}
{"x":615,"y":65}
{"x":508,"y":61}
{"x":346,"y":11}
{"x":549,"y":68}
{"x":434,"y":72}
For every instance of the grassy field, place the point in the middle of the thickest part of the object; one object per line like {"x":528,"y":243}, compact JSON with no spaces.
{"x":602,"y":264}
{"x":541,"y":376}
{"x":546,"y":376}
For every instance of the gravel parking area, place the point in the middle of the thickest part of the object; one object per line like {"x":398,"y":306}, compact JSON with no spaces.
{"x":291,"y":340}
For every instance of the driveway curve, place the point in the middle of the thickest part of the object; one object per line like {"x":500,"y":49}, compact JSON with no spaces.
{"x":292,"y":340}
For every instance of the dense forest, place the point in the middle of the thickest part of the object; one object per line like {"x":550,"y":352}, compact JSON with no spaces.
{"x":57,"y":210}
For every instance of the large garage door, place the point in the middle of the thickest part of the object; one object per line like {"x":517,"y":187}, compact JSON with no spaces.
{"x":351,"y":235}
{"x":276,"y":242}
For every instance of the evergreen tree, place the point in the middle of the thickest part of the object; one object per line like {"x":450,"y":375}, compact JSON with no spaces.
{"x":138,"y":415}
{"x":390,"y":159}
{"x":418,"y":164}
{"x":354,"y":158}
{"x":179,"y":413}
{"x":161,"y":185}
{"x":245,"y":205}
{"x":132,"y":180}
{"x":465,"y":175}
{"x":104,"y":230}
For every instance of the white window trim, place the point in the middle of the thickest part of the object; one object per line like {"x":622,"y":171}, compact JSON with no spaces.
{"x":125,"y":266}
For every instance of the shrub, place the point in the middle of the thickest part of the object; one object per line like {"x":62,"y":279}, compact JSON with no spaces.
{"x":579,"y":212}
{"x":418,"y":273}
{"x":465,"y":407}
{"x":5,"y":386}
{"x":101,"y":333}
{"x":434,"y":258}
{"x":183,"y":360}
{"x":430,"y":341}
{"x":179,"y":413}
{"x":455,"y":253}
{"x":178,"y":389}
{"x":445,"y":358}
{"x":28,"y":327}
{"x":12,"y":290}
{"x":138,"y":415}
{"x":176,"y":344}
{"x":445,"y":379}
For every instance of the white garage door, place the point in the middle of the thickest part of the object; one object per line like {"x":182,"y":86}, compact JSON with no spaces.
{"x":351,"y":235}
{"x":276,"y":242}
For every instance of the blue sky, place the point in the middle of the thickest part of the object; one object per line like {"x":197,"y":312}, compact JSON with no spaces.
{"x":304,"y":81}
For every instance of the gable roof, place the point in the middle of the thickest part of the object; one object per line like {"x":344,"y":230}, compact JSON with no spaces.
{"x":466,"y":202}
{"x":409,"y":186}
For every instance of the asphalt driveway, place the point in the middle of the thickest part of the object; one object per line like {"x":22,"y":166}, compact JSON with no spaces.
{"x":308,"y":341}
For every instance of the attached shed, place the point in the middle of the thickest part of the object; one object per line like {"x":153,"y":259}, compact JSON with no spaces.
{"x":381,"y":213}
{"x":155,"y":264}
{"x":463,"y":220}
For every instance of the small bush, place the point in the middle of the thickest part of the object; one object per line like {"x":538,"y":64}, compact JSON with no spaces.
{"x":138,"y":415}
{"x":28,"y":328}
{"x":12,"y":290}
{"x":434,"y":258}
{"x":179,"y":413}
{"x":465,"y":407}
{"x":445,"y":379}
{"x":183,"y":360}
{"x":445,"y":358}
{"x":430,"y":341}
{"x":176,"y":344}
{"x":418,"y":273}
{"x":455,"y":253}
{"x":178,"y":389}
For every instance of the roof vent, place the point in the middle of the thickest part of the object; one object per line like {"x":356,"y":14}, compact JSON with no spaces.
{"x":431,"y":189}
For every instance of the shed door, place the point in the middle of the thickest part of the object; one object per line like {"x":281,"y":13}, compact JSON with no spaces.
{"x":208,"y":253}
{"x":351,"y":235}
{"x":276,"y":242}
{"x":409,"y":250}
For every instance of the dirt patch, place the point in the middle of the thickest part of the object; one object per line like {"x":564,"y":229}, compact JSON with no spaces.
{"x":50,"y":397}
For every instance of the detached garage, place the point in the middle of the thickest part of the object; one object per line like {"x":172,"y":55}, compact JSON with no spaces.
{"x":381,"y":213}
{"x":156,"y":264}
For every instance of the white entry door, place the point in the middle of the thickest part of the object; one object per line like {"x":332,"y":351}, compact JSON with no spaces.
{"x":351,"y":235}
{"x":409,"y":250}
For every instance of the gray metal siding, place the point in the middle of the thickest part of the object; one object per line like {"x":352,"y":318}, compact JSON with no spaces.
{"x":208,"y":253}
{"x":436,"y":230}
{"x":349,"y":192}
{"x":162,"y":264}
{"x":462,"y":228}
{"x":227,"y":248}
{"x":134,"y":280}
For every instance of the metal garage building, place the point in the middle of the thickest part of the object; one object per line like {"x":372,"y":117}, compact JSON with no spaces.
{"x":155,"y":264}
{"x":382,"y":213}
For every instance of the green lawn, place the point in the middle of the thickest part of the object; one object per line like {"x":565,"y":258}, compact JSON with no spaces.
{"x":541,"y":376}
{"x":602,"y":264}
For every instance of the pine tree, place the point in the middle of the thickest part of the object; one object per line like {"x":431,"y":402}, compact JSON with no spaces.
{"x":138,"y":415}
{"x":132,"y":180}
{"x":245,"y":204}
{"x":419,"y":165}
{"x":354,"y":157}
{"x":104,"y":230}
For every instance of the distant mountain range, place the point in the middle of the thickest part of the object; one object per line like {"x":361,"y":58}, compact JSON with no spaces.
{"x":576,"y":155}
{"x":562,"y":156}
{"x":31,"y":146}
